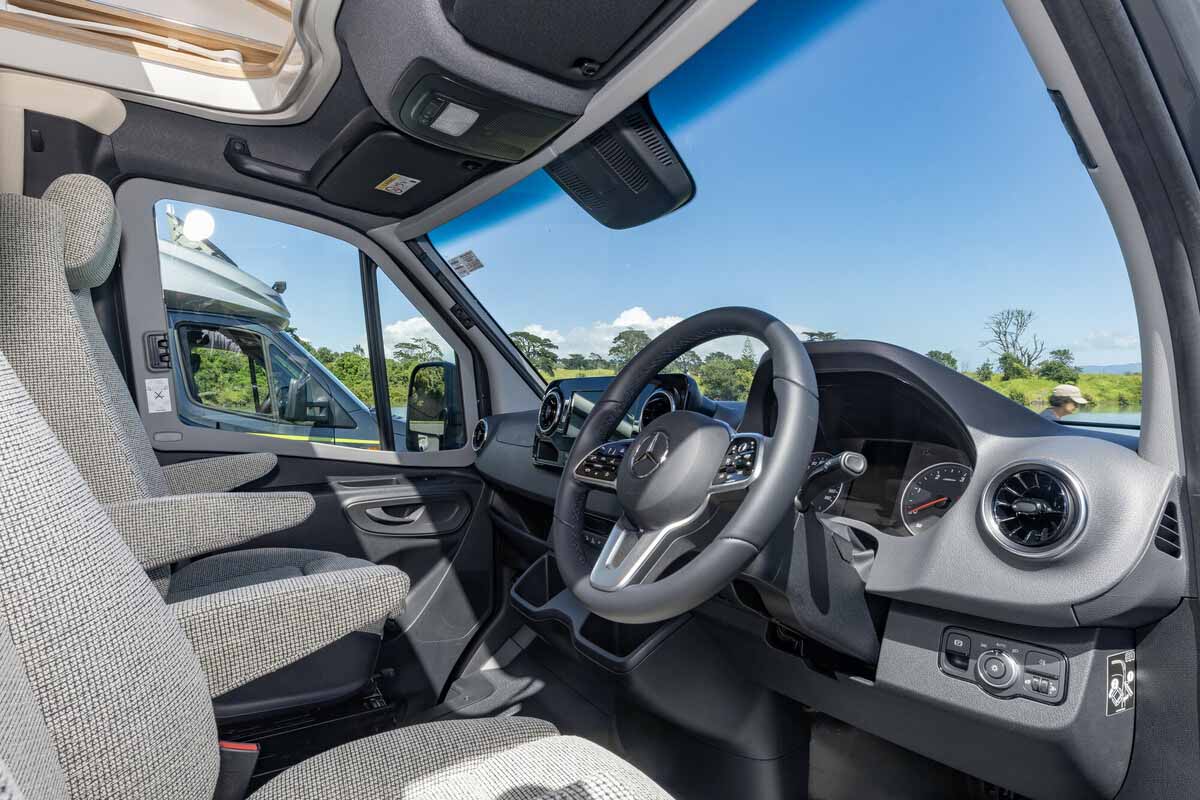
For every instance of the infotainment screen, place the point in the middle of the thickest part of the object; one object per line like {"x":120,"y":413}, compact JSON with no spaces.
{"x":581,"y":404}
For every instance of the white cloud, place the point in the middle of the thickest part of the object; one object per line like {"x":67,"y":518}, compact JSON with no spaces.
{"x":405,"y":330}
{"x":598,"y":336}
{"x":1108,"y":340}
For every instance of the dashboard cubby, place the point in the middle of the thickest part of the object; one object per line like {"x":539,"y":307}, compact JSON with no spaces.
{"x":555,"y":614}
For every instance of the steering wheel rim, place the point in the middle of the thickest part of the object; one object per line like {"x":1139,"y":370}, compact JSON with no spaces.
{"x":784,"y":462}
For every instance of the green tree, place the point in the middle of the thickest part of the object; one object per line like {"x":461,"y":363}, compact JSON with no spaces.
{"x":944,"y":357}
{"x":575,"y":361}
{"x":723,"y":377}
{"x":1012,"y":367}
{"x":418,"y":350}
{"x":541,"y":352}
{"x":689,"y":364}
{"x":626,"y":345}
{"x":985,"y":372}
{"x":819,"y":336}
{"x":1059,"y":367}
{"x":596,"y":361}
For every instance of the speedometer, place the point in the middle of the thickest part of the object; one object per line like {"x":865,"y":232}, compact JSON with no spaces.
{"x":931,"y":493}
{"x":830,"y":496}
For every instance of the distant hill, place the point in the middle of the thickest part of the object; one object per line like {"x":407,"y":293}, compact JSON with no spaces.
{"x":1111,"y":369}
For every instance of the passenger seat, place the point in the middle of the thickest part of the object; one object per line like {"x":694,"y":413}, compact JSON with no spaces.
{"x":53,"y":252}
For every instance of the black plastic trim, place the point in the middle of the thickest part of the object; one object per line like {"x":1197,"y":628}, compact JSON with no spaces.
{"x":376,"y":353}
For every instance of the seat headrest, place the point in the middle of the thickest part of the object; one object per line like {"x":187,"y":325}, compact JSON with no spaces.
{"x":93,"y":228}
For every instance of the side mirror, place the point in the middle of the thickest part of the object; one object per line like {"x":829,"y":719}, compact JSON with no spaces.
{"x":435,"y":418}
{"x":303,"y":404}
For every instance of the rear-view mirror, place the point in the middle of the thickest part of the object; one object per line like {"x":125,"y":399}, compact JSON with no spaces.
{"x":434,"y":418}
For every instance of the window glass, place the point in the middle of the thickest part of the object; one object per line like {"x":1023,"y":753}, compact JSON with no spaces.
{"x":427,"y":413}
{"x":269,"y":331}
{"x":888,"y":169}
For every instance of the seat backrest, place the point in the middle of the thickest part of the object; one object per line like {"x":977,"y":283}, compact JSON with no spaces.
{"x":122,"y":700}
{"x":53,"y":252}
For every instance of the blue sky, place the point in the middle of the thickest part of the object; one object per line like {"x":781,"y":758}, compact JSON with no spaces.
{"x":888,"y":169}
{"x":894,"y":171}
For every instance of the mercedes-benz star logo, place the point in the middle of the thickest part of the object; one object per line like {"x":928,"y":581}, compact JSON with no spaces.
{"x":650,"y":455}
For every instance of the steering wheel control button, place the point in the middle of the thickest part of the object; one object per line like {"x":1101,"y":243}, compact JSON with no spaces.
{"x":740,"y":464}
{"x":1048,"y":665}
{"x":600,"y":466}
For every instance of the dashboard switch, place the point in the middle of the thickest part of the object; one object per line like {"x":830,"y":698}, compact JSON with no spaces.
{"x":958,"y":643}
{"x":997,"y":669}
{"x":1047,"y":665}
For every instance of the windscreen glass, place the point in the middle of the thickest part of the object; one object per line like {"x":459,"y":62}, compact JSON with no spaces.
{"x":886,"y":169}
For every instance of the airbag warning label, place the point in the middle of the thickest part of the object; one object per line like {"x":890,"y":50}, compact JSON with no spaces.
{"x":1122,"y":694}
{"x":397,"y":184}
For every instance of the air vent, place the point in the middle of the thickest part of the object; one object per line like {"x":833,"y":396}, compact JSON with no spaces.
{"x":656,"y":405}
{"x":550,"y":411}
{"x":1167,"y":538}
{"x":1034,"y":509}
{"x":479,"y":435}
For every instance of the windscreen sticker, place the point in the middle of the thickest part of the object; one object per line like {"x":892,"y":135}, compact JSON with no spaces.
{"x":1122,"y":694}
{"x":158,"y":395}
{"x":397,"y":184}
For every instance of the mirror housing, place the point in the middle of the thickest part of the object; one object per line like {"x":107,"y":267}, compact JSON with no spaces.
{"x":435,"y":416}
{"x":305,"y":405}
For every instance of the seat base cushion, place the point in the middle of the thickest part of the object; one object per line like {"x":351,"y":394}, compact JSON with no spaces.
{"x":505,"y":758}
{"x":239,"y":568}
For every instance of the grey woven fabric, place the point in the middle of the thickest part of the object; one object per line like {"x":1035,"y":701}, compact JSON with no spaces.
{"x":509,"y":758}
{"x":93,"y":228}
{"x":28,"y":767}
{"x":121,"y":692}
{"x":43,"y":337}
{"x":164,"y":530}
{"x":218,"y":474}
{"x":243,"y":634}
{"x":239,"y":568}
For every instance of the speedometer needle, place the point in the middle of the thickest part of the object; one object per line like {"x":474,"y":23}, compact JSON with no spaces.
{"x":930,"y":504}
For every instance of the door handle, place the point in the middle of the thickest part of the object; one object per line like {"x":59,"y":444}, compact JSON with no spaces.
{"x":383,"y":517}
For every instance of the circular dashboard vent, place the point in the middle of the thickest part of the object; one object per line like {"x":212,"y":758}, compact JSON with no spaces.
{"x":550,"y":411}
{"x":479,"y":435}
{"x":1034,"y":509}
{"x":656,"y":405}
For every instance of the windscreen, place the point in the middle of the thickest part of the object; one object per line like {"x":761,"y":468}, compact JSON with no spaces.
{"x":887,"y":169}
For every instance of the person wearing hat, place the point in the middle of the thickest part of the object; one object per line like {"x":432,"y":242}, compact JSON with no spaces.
{"x":1065,"y":399}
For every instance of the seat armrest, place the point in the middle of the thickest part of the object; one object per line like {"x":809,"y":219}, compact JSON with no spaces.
{"x":218,"y":474}
{"x":245,"y":633}
{"x":163,"y":530}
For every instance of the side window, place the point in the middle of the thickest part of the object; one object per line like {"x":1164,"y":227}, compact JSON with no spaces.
{"x":225,"y":370}
{"x":424,"y":386}
{"x":270,"y":336}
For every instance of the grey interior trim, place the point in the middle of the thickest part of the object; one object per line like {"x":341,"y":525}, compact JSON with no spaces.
{"x":1161,"y":435}
{"x":702,"y":21}
{"x":146,"y":313}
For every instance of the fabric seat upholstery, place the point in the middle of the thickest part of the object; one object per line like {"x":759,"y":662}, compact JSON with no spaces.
{"x":115,"y":704}
{"x":53,"y":252}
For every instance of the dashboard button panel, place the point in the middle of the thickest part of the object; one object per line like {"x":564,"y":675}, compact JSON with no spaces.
{"x":1002,"y":667}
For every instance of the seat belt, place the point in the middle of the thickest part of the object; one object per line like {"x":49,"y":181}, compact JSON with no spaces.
{"x":237,"y":767}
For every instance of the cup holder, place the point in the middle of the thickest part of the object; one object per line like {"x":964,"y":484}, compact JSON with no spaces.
{"x":540,"y":583}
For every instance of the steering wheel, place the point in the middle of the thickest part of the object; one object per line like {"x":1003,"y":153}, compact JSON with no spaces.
{"x":669,"y":477}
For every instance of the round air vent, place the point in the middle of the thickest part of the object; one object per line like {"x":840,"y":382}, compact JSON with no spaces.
{"x":657,"y":404}
{"x":479,"y":435}
{"x":550,"y":412}
{"x":1034,"y":509}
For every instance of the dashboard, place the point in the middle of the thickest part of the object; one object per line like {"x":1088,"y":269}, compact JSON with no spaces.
{"x":982,"y":578}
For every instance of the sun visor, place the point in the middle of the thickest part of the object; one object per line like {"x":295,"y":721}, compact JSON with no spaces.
{"x":370,"y":167}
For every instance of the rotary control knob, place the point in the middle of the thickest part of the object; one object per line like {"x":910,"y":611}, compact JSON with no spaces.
{"x":997,"y":669}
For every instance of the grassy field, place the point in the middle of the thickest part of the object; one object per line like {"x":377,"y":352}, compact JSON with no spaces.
{"x":1106,"y":392}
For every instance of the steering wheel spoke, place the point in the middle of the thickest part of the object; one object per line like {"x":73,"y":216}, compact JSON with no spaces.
{"x":632,"y":556}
